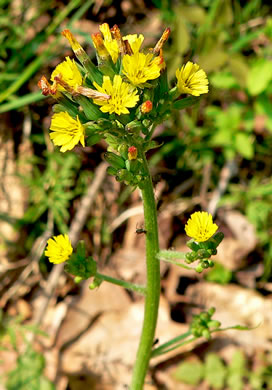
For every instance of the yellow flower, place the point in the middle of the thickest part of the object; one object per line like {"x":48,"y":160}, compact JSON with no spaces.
{"x":140,"y":67}
{"x":66,"y":131}
{"x":68,"y":72}
{"x":200,"y":226}
{"x":192,"y":80}
{"x":134,"y":41}
{"x":59,"y":249}
{"x":122,"y":95}
{"x":110,"y":43}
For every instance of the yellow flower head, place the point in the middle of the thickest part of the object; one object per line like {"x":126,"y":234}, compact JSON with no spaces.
{"x":68,"y":72}
{"x":122,"y":95}
{"x":140,"y":67}
{"x":58,"y":249}
{"x":192,"y":80}
{"x":134,"y":41}
{"x":109,"y":42}
{"x":200,"y":226}
{"x":66,"y":131}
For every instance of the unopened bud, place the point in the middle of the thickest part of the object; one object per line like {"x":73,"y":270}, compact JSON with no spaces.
{"x":199,"y":268}
{"x":214,"y":324}
{"x":206,"y":334}
{"x":146,"y":107}
{"x":99,"y":46}
{"x":117,"y":35}
{"x":162,"y":40}
{"x":211,"y":311}
{"x":114,"y":160}
{"x":132,"y":153}
{"x":72,"y":40}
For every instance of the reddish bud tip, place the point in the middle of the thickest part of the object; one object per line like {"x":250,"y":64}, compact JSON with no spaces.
{"x":132,"y":153}
{"x":146,"y":107}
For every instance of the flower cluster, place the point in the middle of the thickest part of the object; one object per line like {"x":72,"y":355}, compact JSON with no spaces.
{"x":120,"y":99}
{"x":204,"y":241}
{"x":202,"y":324}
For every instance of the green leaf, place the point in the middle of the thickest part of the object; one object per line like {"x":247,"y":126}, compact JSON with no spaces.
{"x":223,"y":80}
{"x":244,"y":145}
{"x":238,"y":362}
{"x":189,"y":372}
{"x":184,"y":103}
{"x":259,"y":76}
{"x":215,"y":371}
{"x":237,"y":369}
{"x":235,"y":381}
{"x":219,"y":274}
{"x":239,"y":69}
{"x":213,"y":60}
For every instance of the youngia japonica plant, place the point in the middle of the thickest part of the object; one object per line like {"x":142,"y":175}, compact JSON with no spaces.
{"x":121,"y":100}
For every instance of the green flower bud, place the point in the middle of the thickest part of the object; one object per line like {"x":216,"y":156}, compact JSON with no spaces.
{"x":218,"y":237}
{"x":206,"y":334}
{"x":190,"y":257}
{"x":95,"y":283}
{"x":205,"y":264}
{"x":213,"y":324}
{"x":204,"y":316}
{"x":197,"y":332}
{"x":111,"y":171}
{"x":192,"y":245}
{"x":203,"y":254}
{"x":123,"y":150}
{"x":114,"y":160}
{"x":134,"y":126}
{"x":77,"y":279}
{"x":124,"y":175}
{"x":212,"y":251}
{"x":92,"y":139}
{"x":211,"y":311}
{"x":199,"y":268}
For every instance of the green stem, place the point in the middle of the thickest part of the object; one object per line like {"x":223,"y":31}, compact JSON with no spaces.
{"x":130,"y":286}
{"x":153,"y":283}
{"x":176,"y":263}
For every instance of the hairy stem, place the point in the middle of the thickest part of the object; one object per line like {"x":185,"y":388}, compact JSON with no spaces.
{"x":130,"y":286}
{"x":152,"y":285}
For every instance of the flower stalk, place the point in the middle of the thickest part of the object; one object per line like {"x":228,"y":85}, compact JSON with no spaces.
{"x":152,"y":285}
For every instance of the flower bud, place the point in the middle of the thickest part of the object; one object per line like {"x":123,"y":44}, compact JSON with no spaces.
{"x":95,"y":283}
{"x":162,"y":40}
{"x":146,"y":107}
{"x":203,"y":254}
{"x":123,"y":150}
{"x":114,"y":160}
{"x":218,"y":237}
{"x":132,"y":153}
{"x":100,"y":47}
{"x":111,"y":171}
{"x":206,"y":334}
{"x":213,"y":324}
{"x":124,"y":175}
{"x":192,"y":245}
{"x":134,"y":126}
{"x":199,"y":268}
{"x":211,"y":311}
